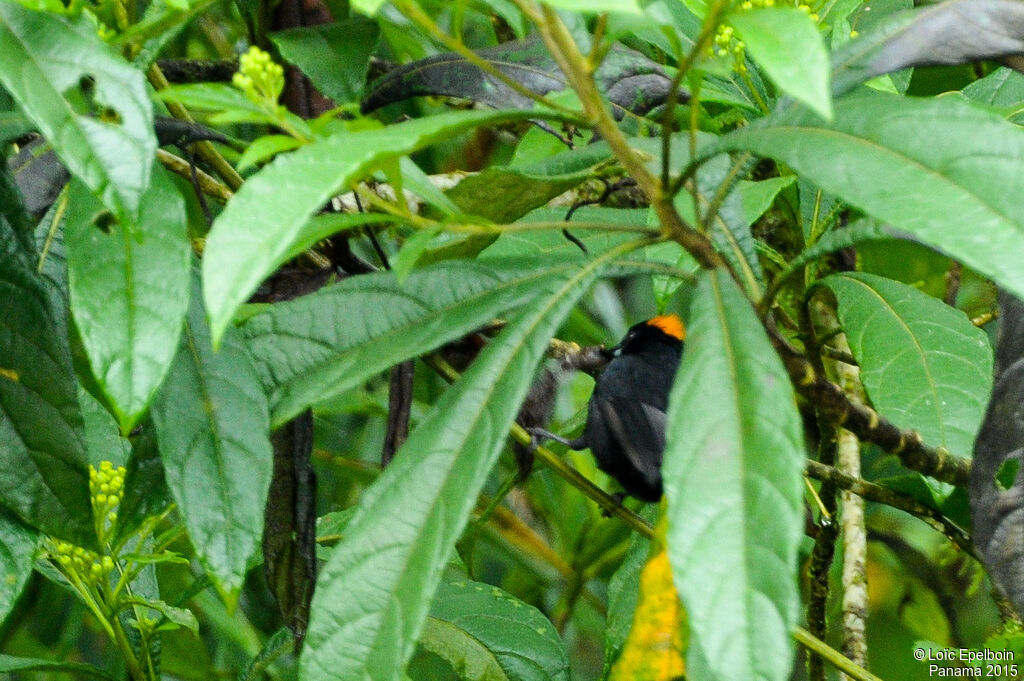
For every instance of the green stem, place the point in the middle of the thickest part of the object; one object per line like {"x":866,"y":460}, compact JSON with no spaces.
{"x":580,"y":482}
{"x":58,"y":215}
{"x":818,"y":647}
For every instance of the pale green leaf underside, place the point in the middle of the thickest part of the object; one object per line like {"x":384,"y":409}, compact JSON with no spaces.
{"x":732,"y":475}
{"x":940,"y":169}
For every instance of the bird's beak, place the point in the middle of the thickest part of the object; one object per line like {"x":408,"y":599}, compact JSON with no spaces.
{"x":612,"y":352}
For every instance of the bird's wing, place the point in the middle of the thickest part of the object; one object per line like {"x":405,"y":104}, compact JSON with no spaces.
{"x":639,"y":429}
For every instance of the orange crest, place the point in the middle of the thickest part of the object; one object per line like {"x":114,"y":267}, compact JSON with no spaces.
{"x":669,"y":323}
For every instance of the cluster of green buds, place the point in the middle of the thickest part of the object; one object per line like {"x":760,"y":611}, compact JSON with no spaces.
{"x":727,"y":44}
{"x":106,"y":488}
{"x":80,"y":565}
{"x":84,"y":568}
{"x":259,"y":77}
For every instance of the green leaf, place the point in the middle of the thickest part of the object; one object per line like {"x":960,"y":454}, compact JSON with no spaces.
{"x":1002,"y":88}
{"x":44,"y":60}
{"x":732,"y":475}
{"x":729,"y":229}
{"x":261,"y":222}
{"x":213,"y":427}
{"x":129,"y":292}
{"x":412,"y":250}
{"x":367,"y":7}
{"x":785,"y":42}
{"x":12,"y":205}
{"x":758,"y":197}
{"x":923,"y":364}
{"x":484,"y":633}
{"x":9,"y":663}
{"x":373,"y":594}
{"x":264,"y":147}
{"x":929,"y":167}
{"x":177,"y":616}
{"x":44,"y":480}
{"x":102,"y":437}
{"x":13,"y":125}
{"x":329,"y":53}
{"x":308,"y":350}
{"x":275,"y":646}
{"x":219,"y":97}
{"x":17,"y":554}
{"x":504,"y":195}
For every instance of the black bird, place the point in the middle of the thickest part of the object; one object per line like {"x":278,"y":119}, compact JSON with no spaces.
{"x":625,"y":427}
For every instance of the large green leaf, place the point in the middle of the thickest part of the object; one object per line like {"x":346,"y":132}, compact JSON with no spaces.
{"x":43,"y":63}
{"x":940,"y":169}
{"x":213,"y":426}
{"x":260,"y":223}
{"x":43,"y":474}
{"x":129,"y":291}
{"x":373,"y":594}
{"x":786,"y":43}
{"x":732,"y":475}
{"x":485,"y":633}
{"x":331,"y":341}
{"x":923,"y":364}
{"x":17,"y":553}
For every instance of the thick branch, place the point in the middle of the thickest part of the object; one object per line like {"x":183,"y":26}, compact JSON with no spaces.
{"x":883,"y":495}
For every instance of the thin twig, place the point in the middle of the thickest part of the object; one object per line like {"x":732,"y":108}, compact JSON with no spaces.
{"x":208,"y":185}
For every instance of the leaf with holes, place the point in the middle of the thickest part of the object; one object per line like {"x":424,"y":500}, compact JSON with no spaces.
{"x":129,"y":291}
{"x":44,"y":64}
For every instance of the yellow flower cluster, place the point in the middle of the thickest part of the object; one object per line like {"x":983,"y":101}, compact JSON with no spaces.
{"x":259,"y":77}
